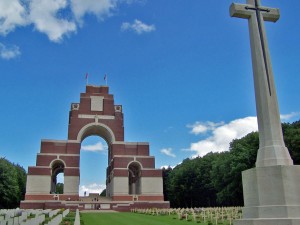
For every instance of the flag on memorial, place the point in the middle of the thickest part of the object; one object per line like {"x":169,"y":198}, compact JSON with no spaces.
{"x":105,"y":78}
{"x":86,"y":77}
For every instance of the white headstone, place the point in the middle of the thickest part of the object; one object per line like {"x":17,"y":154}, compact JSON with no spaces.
{"x":10,"y":221}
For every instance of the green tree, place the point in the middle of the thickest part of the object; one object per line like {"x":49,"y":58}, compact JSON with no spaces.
{"x":165,"y":174}
{"x":21,"y":177}
{"x":12,"y":184}
{"x":103,"y":193}
{"x":204,"y":185}
{"x":291,"y":134}
{"x":177,"y":185}
{"x":9,"y":188}
{"x":59,"y":188}
{"x":227,"y":170}
{"x":189,"y":184}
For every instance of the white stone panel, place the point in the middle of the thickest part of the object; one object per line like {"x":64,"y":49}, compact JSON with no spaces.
{"x":152,"y":185}
{"x":97,"y":103}
{"x":102,"y":117}
{"x":38,"y":184}
{"x":87,"y":206}
{"x":71,"y":185}
{"x":119,"y":186}
{"x":104,"y":206}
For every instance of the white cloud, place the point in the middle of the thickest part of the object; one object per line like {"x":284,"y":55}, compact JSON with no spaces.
{"x":133,"y":1}
{"x":168,"y":152}
{"x":289,"y":116}
{"x":91,"y":188}
{"x":98,"y":147}
{"x":99,"y":8}
{"x":56,"y":18}
{"x":138,"y":26}
{"x":166,"y":167}
{"x":222,"y":135}
{"x":12,"y":14}
{"x":203,"y":127}
{"x":9,"y":52}
{"x":44,"y":16}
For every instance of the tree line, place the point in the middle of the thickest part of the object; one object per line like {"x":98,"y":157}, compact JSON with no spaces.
{"x":215,"y":179}
{"x":12,"y":184}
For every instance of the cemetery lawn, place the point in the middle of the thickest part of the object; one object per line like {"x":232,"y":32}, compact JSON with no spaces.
{"x":132,"y":219}
{"x":128,"y":219}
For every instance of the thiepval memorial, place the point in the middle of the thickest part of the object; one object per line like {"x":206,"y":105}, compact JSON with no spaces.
{"x":131,"y":177}
{"x":271,"y":189}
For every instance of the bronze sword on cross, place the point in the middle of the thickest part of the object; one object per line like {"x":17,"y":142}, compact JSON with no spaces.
{"x":257,"y":10}
{"x":261,"y":14}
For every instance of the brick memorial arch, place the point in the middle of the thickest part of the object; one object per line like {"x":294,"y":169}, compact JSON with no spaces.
{"x":131,"y":177}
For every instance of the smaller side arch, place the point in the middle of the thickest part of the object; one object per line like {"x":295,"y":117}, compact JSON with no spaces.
{"x":135,"y":162}
{"x":57,"y":166}
{"x":134,"y":178}
{"x":99,"y":129}
{"x":57,"y":161}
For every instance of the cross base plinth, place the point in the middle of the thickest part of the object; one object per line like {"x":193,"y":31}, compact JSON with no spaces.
{"x":273,"y":155}
{"x":278,"y":221}
{"x":271,"y":196}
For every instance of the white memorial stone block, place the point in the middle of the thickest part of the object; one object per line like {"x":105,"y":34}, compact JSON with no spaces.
{"x":53,"y":212}
{"x":77,"y":218}
{"x":16,"y":220}
{"x":7,"y":216}
{"x":66,"y":212}
{"x":10,"y":221}
{"x":56,"y":220}
{"x":41,"y":218}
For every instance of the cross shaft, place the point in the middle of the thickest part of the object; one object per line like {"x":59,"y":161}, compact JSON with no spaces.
{"x":272,"y":150}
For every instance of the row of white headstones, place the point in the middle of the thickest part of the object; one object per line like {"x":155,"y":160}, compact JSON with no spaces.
{"x":214,"y":215}
{"x":31,"y":216}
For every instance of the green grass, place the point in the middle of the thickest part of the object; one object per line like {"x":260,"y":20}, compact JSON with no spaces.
{"x":132,"y":219}
{"x":69,"y":219}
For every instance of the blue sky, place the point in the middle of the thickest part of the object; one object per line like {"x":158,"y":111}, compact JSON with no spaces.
{"x":181,"y":69}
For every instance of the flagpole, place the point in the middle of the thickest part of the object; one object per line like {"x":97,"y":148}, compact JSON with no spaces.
{"x":105,"y":78}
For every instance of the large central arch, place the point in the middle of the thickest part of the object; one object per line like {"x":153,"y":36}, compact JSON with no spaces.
{"x":102,"y":131}
{"x":130,"y":175}
{"x":98,"y":129}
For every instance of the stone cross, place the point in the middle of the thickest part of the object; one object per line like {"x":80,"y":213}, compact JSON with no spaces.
{"x":272,"y":150}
